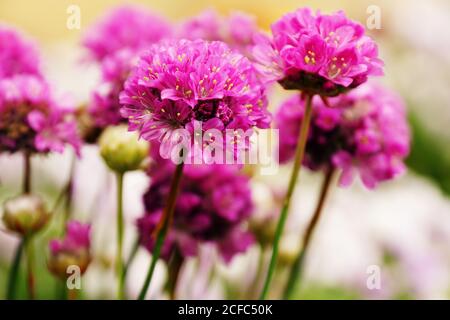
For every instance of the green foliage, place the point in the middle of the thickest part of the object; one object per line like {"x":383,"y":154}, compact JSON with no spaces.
{"x":430,"y":155}
{"x":324,"y":292}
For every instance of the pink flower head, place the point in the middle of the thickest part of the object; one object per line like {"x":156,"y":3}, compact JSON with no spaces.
{"x":18,"y":55}
{"x":213,"y":204}
{"x":104,"y":107}
{"x":31,"y":120}
{"x":115,"y":42}
{"x":77,"y":239}
{"x":180,"y":82}
{"x":125,"y":27}
{"x":236,"y":30}
{"x":319,"y":54}
{"x":364,"y":131}
{"x":73,"y":249}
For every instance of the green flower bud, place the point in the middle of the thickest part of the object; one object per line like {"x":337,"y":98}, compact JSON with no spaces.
{"x":25,"y":214}
{"x":122,"y":150}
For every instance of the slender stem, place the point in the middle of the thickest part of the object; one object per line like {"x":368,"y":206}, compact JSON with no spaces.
{"x":14,"y":272}
{"x":300,"y":151}
{"x":119,"y":257}
{"x":163,"y":226}
{"x":130,"y":259}
{"x":174,"y":270}
{"x":297,"y":268}
{"x":26,"y":187}
{"x":254,"y":288}
{"x":71,"y":294}
{"x":129,"y":262}
{"x":68,"y":190}
{"x":28,"y":244}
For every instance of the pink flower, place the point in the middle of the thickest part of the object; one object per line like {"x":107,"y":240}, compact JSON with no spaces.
{"x":319,"y":54}
{"x":31,"y":120}
{"x":115,"y":42}
{"x":104,"y":105}
{"x":179,"y":82}
{"x":213,"y":205}
{"x":18,"y":55}
{"x":73,"y":249}
{"x":125,"y":27}
{"x":236,"y":30}
{"x":364,"y":131}
{"x":77,"y":239}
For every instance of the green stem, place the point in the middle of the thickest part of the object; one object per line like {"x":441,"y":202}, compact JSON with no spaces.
{"x":163,"y":227}
{"x":252,"y":293}
{"x":68,"y":190}
{"x":300,"y":151}
{"x":297,"y":268}
{"x":14,"y":272}
{"x":28,"y":244}
{"x":71,"y":294}
{"x":130,"y":259}
{"x":26,"y":186}
{"x":174,"y":271}
{"x":119,"y":257}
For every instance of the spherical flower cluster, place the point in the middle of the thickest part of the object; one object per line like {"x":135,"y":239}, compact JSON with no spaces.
{"x":18,"y":55}
{"x":365,"y":131}
{"x":178,"y":83}
{"x":319,"y":54}
{"x":125,"y":27}
{"x":236,"y":30}
{"x":74,"y":249}
{"x":104,"y":105}
{"x":31,"y":120}
{"x":213,"y":203}
{"x":115,"y":42}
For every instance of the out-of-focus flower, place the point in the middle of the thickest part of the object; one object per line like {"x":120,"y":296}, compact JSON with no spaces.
{"x":74,"y":249}
{"x":104,"y":105}
{"x":18,"y":55}
{"x":236,"y":30}
{"x":180,"y":82}
{"x":31,"y":120}
{"x":318,"y":54}
{"x":122,"y":150}
{"x":115,"y":42}
{"x":213,"y":204}
{"x":125,"y":27}
{"x":25,"y":214}
{"x":366,"y":130}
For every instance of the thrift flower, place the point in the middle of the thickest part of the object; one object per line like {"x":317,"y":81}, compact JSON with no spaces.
{"x":236,"y":30}
{"x":31,"y":119}
{"x":318,"y":54}
{"x":74,"y":249}
{"x":18,"y":55}
{"x":365,"y":131}
{"x":125,"y":27}
{"x":115,"y":42}
{"x":213,"y":204}
{"x":104,"y":105}
{"x":180,"y":82}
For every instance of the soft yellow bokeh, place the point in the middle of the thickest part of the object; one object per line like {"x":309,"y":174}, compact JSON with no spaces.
{"x":46,"y":19}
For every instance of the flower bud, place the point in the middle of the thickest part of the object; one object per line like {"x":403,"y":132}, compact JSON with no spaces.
{"x":122,"y":150}
{"x":73,"y":250}
{"x":25,"y":214}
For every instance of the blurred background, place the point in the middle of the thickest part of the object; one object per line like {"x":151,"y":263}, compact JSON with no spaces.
{"x":403,"y":226}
